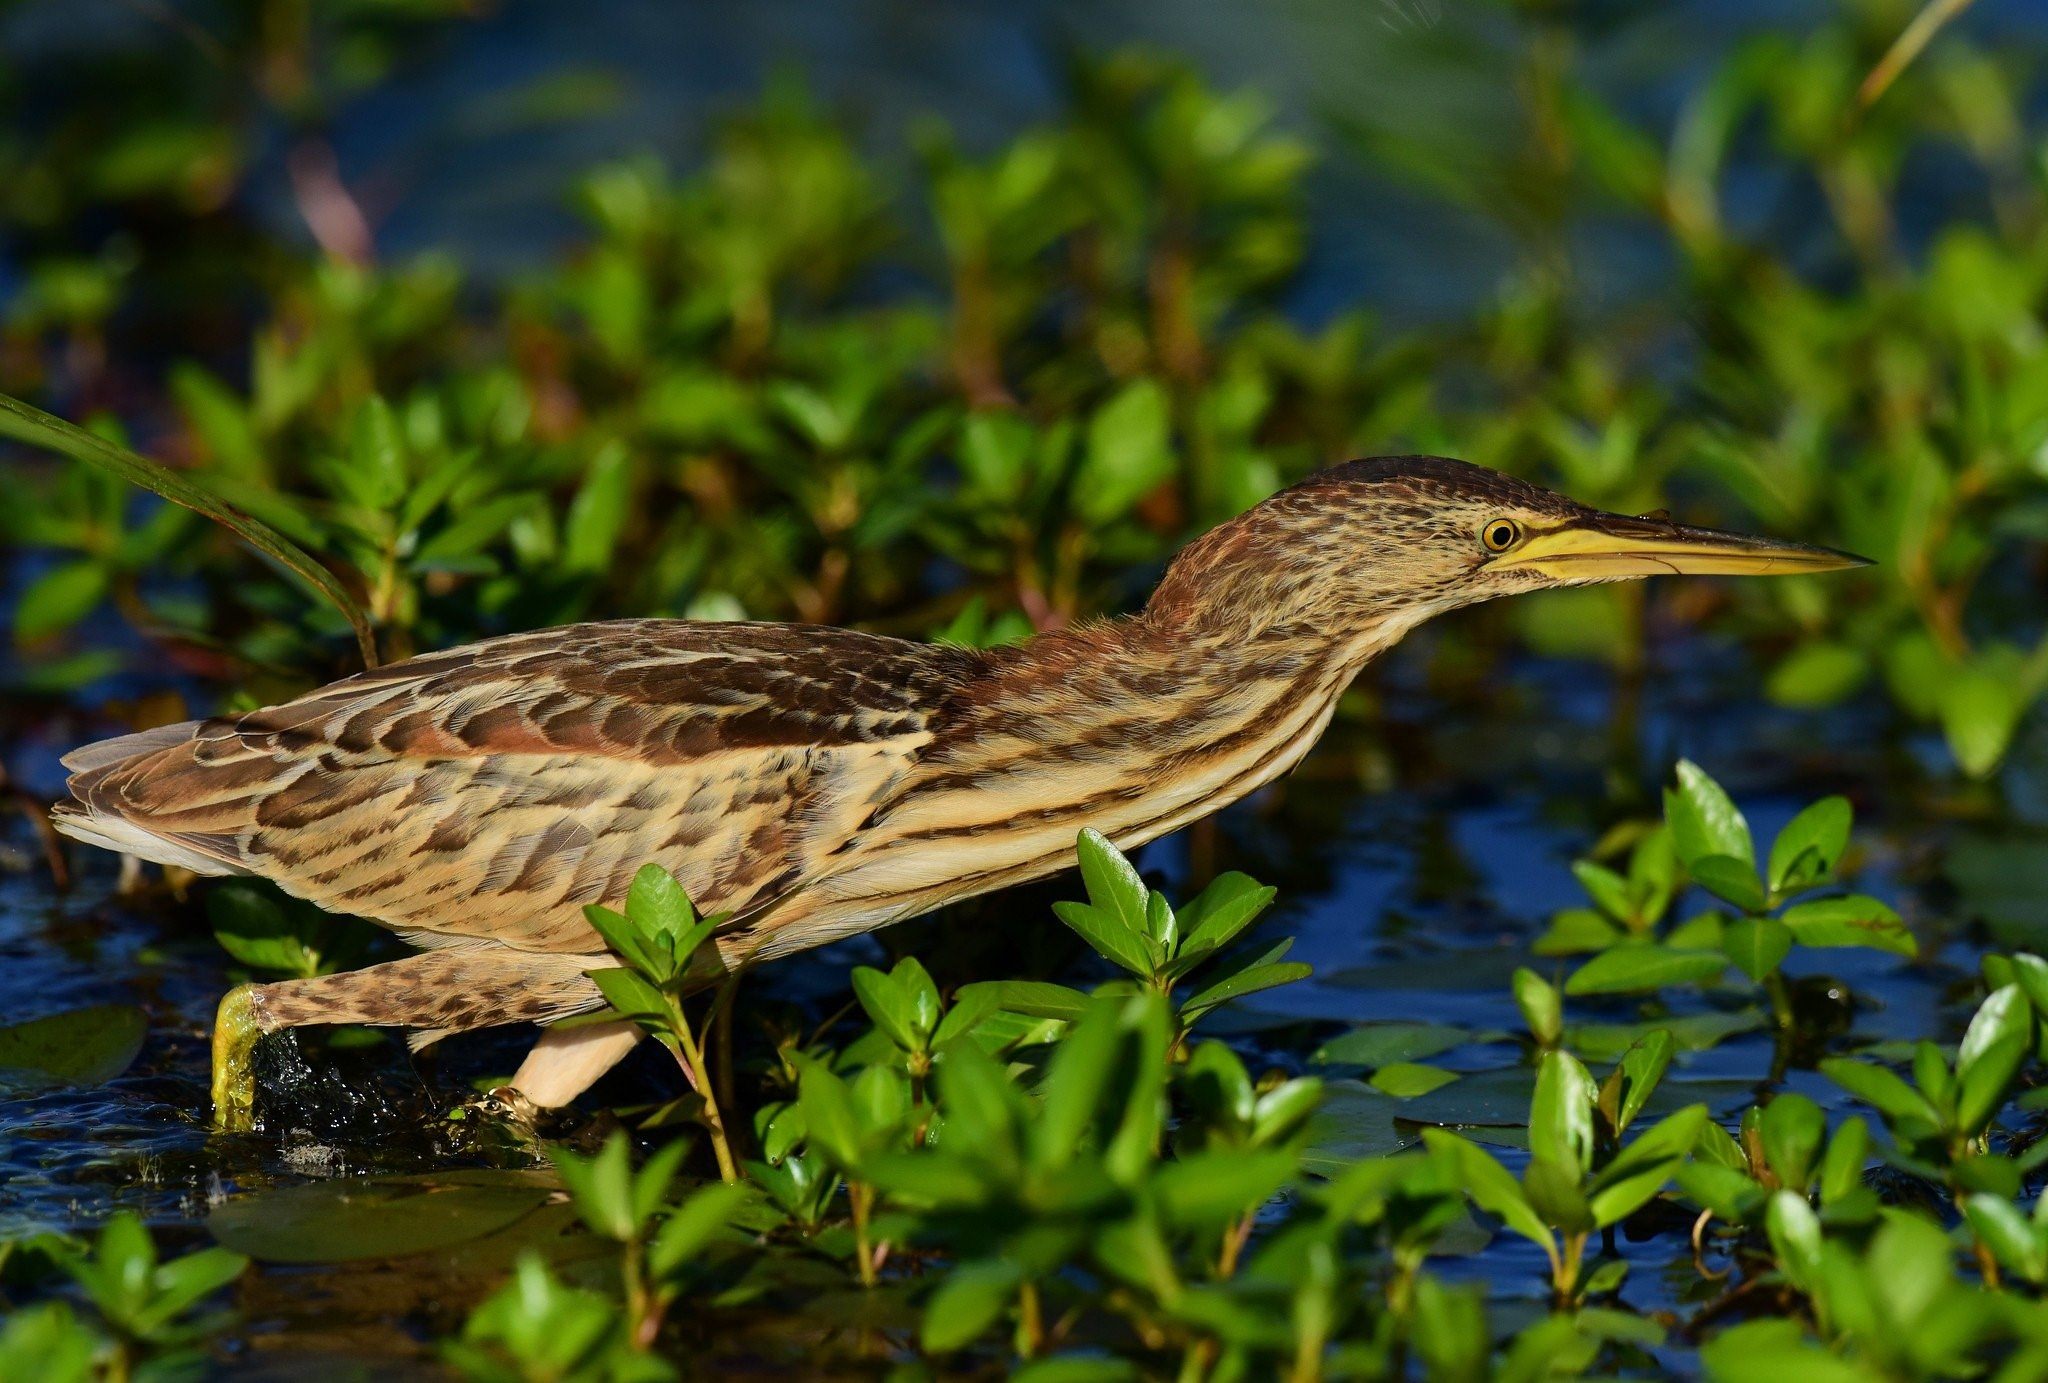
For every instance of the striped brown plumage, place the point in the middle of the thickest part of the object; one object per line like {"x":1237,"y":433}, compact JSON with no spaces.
{"x":811,"y":782}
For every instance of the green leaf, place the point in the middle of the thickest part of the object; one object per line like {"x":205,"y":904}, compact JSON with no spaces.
{"x":1491,"y":1186}
{"x":1608,"y":890}
{"x":80,"y":1046}
{"x":657,"y":906}
{"x":833,"y":1125}
{"x":1729,"y":879}
{"x":1402,"y":1079}
{"x":693,"y":1224}
{"x":58,"y":599}
{"x":1553,"y":1191}
{"x":2030,"y":972}
{"x":602,"y":1185}
{"x":1218,"y":913}
{"x":1807,"y":850}
{"x":1217,"y":1087}
{"x":344,"y":1219}
{"x":1723,"y":1190}
{"x":887,"y":1006}
{"x":1282,"y":1111}
{"x":1704,"y":820}
{"x":2005,"y":1015}
{"x":970,"y":1299}
{"x":256,"y":930}
{"x":1795,"y":1236}
{"x":1634,"y":1181}
{"x":1817,"y":675}
{"x":1250,"y":980}
{"x":2012,"y":1238}
{"x":1542,"y":1007}
{"x":1792,"y":1128}
{"x":1757,"y":945}
{"x":1112,"y":882}
{"x":1207,"y":1188}
{"x":631,"y":995}
{"x":1561,"y":1113}
{"x":1636,"y":1076}
{"x":1980,"y":709}
{"x":623,"y":939}
{"x":1982,"y":1088}
{"x":184,"y":1282}
{"x":1575,"y":931}
{"x":1631,"y":968}
{"x":1882,"y":1090}
{"x":1111,"y":939}
{"x":1076,"y":1081}
{"x":1034,"y":998}
{"x":1851,"y":921}
{"x":597,"y":515}
{"x":37,"y":428}
{"x":1381,"y":1044}
{"x":916,"y":985}
{"x":1128,"y":453}
{"x":1841,"y":1169}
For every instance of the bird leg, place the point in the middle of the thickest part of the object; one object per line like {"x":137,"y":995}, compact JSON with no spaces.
{"x":567,"y":1061}
{"x":235,"y":1030}
{"x":448,"y":990}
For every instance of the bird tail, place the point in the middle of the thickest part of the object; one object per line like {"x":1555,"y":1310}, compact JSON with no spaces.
{"x":93,"y":813}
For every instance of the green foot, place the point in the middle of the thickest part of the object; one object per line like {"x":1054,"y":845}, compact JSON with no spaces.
{"x":235,"y":1031}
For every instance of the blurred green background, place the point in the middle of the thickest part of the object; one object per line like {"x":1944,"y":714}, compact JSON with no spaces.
{"x":960,"y":318}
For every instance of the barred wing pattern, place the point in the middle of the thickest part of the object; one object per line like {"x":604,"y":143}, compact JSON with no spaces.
{"x":486,"y":793}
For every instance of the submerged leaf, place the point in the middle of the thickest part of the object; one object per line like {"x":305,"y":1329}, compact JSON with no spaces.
{"x":81,"y":1046}
{"x":352,"y":1218}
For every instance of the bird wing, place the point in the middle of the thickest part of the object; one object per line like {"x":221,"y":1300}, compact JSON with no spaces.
{"x":490,"y":791}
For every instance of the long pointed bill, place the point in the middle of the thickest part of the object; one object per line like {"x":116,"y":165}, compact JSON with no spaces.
{"x":1610,"y":547}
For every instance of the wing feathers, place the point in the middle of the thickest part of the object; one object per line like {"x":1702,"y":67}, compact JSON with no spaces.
{"x":488,"y":792}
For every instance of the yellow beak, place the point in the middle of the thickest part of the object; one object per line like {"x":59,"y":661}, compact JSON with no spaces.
{"x":1610,"y":547}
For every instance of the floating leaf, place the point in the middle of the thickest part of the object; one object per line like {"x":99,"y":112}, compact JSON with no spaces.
{"x":353,"y":1218}
{"x":1381,"y":1044}
{"x":1403,"y":1079}
{"x":80,"y":1046}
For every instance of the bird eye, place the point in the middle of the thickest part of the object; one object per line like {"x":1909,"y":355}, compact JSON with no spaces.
{"x":1500,"y":534}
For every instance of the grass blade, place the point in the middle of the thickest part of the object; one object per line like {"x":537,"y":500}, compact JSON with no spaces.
{"x":37,"y":428}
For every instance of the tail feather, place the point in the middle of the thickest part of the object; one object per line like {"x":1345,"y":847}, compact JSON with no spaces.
{"x":91,"y":817}
{"x":119,"y":834}
{"x":90,"y":758}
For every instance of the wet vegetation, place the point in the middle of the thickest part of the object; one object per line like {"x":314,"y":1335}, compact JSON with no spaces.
{"x":1653,"y":981}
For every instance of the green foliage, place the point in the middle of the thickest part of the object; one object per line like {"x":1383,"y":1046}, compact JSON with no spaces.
{"x":536,"y":1330}
{"x":1581,"y":1177}
{"x":1138,"y":930}
{"x":148,"y":1306}
{"x":1706,"y":836}
{"x":668,"y":953}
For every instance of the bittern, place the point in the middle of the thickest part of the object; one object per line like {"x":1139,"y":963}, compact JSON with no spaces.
{"x":813,"y":783}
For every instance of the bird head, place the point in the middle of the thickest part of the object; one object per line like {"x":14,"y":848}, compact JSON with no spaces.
{"x":1390,"y":542}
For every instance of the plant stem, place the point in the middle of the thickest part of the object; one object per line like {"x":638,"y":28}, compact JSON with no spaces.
{"x":861,"y":1198}
{"x":646,"y":1323}
{"x":692,"y":1056}
{"x":1030,"y":1320}
{"x":1568,"y":1271}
